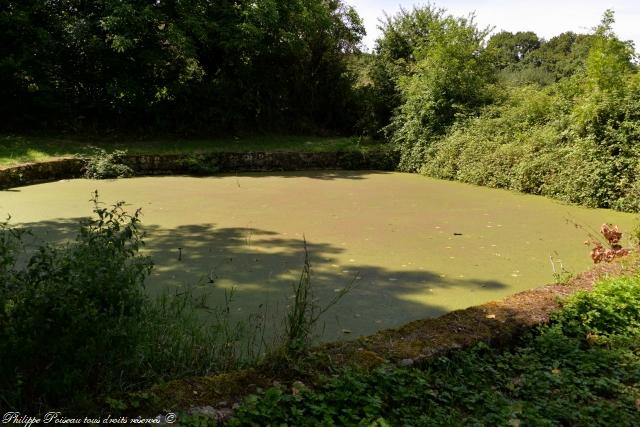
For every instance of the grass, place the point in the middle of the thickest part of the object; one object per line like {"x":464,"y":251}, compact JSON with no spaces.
{"x":19,"y":149}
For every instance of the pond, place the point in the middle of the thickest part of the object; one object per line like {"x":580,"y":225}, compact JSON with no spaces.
{"x":415,"y":247}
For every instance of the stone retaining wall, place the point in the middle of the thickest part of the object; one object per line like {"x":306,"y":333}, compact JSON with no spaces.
{"x":203,"y":164}
{"x":35,"y":173}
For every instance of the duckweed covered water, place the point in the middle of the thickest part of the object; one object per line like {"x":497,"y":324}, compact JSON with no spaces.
{"x":416,"y":247}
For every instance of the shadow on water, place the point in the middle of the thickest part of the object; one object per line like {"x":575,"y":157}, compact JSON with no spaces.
{"x":262,"y":266}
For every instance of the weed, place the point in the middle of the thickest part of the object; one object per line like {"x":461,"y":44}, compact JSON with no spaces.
{"x":304,"y":312}
{"x":560,"y":273}
{"x":104,"y":165}
{"x":198,"y":164}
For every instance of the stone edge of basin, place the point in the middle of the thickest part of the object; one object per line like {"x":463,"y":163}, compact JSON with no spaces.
{"x":203,"y":164}
{"x":497,"y":323}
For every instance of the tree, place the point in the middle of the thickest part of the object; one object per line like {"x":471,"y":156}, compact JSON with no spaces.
{"x":511,"y":49}
{"x":609,"y":59}
{"x":402,"y":35}
{"x":561,"y":56}
{"x":447,"y":81}
{"x":189,"y":65}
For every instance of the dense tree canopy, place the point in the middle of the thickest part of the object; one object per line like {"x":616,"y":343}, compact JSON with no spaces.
{"x":513,"y":48}
{"x":177,"y":64}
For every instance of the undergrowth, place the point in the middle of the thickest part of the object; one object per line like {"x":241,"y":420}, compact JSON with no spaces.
{"x":77,"y":328}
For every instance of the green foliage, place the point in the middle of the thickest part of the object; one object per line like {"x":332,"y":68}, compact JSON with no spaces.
{"x":523,"y":58}
{"x":105,"y":165}
{"x":187,"y":66}
{"x":573,"y":140}
{"x":561,"y":56}
{"x":447,"y":82}
{"x":510,"y":49}
{"x":609,"y":59}
{"x":69,"y":312}
{"x":609,"y":313}
{"x":77,"y":326}
{"x":401,"y":35}
{"x":198,"y":164}
{"x":557,"y":376}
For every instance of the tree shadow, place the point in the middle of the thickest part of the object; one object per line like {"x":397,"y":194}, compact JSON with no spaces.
{"x":263,"y":266}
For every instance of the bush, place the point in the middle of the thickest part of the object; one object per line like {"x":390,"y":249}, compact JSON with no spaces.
{"x":564,"y":141}
{"x":608,"y":313}
{"x":76,"y":325}
{"x":573,"y":140}
{"x":71,"y":312}
{"x":198,"y":164}
{"x":104,"y":165}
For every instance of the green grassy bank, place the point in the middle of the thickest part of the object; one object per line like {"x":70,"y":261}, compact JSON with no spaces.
{"x":19,"y":149}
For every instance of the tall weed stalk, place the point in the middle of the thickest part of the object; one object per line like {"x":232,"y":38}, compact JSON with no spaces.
{"x":305,"y":311}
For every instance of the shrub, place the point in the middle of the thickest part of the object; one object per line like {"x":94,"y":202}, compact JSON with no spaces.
{"x":104,"y":165}
{"x":609,"y":312}
{"x":76,"y":325}
{"x":70,"y":312}
{"x":574,"y":140}
{"x":198,"y":164}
